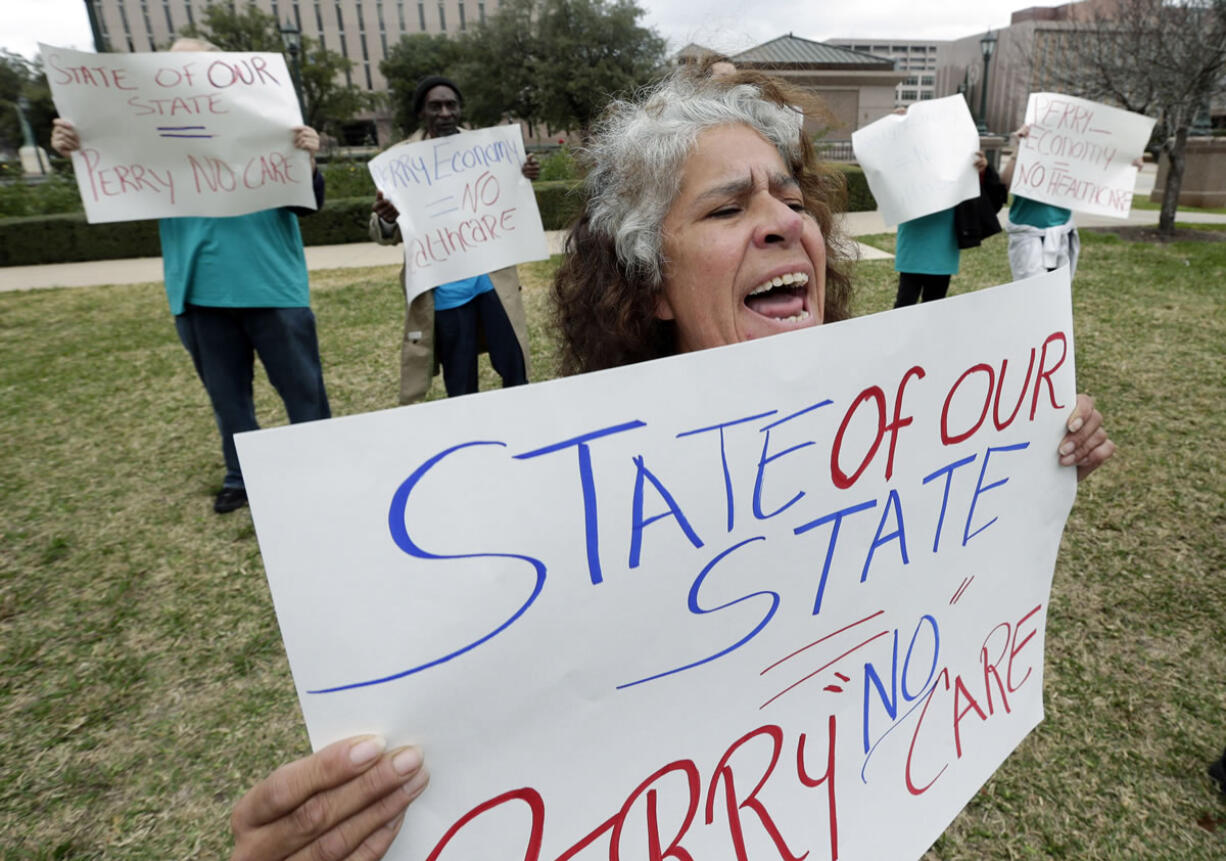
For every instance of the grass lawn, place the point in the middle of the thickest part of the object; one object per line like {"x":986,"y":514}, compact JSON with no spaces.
{"x":145,"y":686}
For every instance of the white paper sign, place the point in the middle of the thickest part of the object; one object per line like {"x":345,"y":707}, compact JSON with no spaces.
{"x":920,"y":162}
{"x":465,"y":207}
{"x":1078,"y":154}
{"x":786,"y":593}
{"x":180,"y":133}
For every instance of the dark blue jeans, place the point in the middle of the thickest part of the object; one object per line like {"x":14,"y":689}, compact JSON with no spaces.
{"x":458,"y":339}
{"x":223,"y":343}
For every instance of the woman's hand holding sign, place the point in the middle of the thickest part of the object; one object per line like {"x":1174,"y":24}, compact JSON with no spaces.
{"x":346,"y":801}
{"x":1086,"y":445}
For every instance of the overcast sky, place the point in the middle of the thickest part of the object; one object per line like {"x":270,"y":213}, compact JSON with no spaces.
{"x":724,"y":25}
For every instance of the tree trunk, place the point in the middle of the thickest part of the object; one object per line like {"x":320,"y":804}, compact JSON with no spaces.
{"x":1174,"y":181}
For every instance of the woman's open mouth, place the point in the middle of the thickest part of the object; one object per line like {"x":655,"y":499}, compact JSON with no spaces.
{"x":783,"y":298}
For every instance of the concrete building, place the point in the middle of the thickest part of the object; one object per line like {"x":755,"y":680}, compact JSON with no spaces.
{"x":857,"y":87}
{"x":918,"y":59}
{"x":1036,"y":52}
{"x":361,"y":30}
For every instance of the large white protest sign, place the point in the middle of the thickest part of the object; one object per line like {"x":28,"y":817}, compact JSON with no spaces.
{"x":779,"y":598}
{"x":180,"y":133}
{"x":1078,"y":154}
{"x":465,"y":207}
{"x":922,"y":161}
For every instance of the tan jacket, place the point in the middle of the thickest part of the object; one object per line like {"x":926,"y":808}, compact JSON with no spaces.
{"x":418,"y":364}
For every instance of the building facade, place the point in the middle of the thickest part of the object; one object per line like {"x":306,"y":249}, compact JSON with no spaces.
{"x":363,"y":31}
{"x":919,"y":60}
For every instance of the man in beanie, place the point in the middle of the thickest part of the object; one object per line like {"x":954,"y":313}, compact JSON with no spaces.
{"x":452,"y":323}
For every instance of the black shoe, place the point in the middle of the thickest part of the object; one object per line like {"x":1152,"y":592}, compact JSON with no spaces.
{"x":229,"y":499}
{"x":1218,"y":772}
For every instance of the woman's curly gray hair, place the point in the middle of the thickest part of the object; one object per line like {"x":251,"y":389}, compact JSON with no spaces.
{"x":608,"y":288}
{"x":639,"y":147}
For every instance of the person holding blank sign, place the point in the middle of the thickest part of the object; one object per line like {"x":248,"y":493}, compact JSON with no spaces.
{"x":926,"y":253}
{"x":450,"y":324}
{"x":709,"y":222}
{"x":238,"y":287}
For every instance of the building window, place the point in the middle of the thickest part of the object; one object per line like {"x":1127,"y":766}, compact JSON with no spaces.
{"x":925,"y":96}
{"x":463,"y":22}
{"x":481,"y":11}
{"x":907,"y":95}
{"x":421,"y":14}
{"x":144,"y":13}
{"x":927,"y":80}
{"x":911,"y":81}
{"x":170,"y":24}
{"x":340,"y":25}
{"x":442,"y":17}
{"x":400,"y":13}
{"x":127,"y":29}
{"x":106,"y":33}
{"x":369,"y":84}
{"x":276,"y":13}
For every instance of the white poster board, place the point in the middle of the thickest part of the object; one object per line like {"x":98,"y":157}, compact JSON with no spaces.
{"x":920,"y":162}
{"x":465,"y":206}
{"x":180,"y":133}
{"x":787,"y":592}
{"x":1078,"y":154}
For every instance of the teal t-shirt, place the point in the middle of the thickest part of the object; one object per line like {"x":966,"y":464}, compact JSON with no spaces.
{"x":927,"y":245}
{"x":243,"y":261}
{"x":457,"y":293}
{"x":1023,"y":210}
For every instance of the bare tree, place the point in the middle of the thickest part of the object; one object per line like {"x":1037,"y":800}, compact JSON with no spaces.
{"x":1162,"y":58}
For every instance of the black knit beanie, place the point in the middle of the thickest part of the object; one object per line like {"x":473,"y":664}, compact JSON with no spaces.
{"x":427,"y":84}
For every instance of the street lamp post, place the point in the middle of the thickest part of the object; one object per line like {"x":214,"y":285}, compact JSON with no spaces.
{"x":292,"y":37}
{"x":987,"y":44}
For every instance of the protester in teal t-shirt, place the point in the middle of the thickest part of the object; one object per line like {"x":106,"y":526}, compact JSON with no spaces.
{"x":1042,"y":237}
{"x":245,"y":261}
{"x":1023,"y":210}
{"x":238,"y":288}
{"x":925,"y":257}
{"x":926,"y":254}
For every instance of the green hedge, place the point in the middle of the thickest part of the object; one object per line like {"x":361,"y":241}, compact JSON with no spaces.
{"x":859,"y":198}
{"x":68,"y":238}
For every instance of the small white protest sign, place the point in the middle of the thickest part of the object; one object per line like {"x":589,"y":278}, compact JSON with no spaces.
{"x":920,"y":162}
{"x":788,"y":593}
{"x":465,"y":207}
{"x":1078,"y":154}
{"x":180,"y":133}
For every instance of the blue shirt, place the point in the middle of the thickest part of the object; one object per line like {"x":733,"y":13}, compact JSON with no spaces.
{"x":457,"y":293}
{"x":243,"y":261}
{"x":927,"y":245}
{"x":1023,"y":210}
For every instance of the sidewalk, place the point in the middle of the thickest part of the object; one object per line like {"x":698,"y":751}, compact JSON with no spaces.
{"x":354,"y":254}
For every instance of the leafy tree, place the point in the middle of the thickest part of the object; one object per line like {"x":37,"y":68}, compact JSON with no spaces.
{"x":230,"y":29}
{"x":592,"y":50}
{"x":551,"y":61}
{"x":413,"y":58}
{"x":326,"y":103}
{"x":511,"y":86}
{"x":1164,"y":58}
